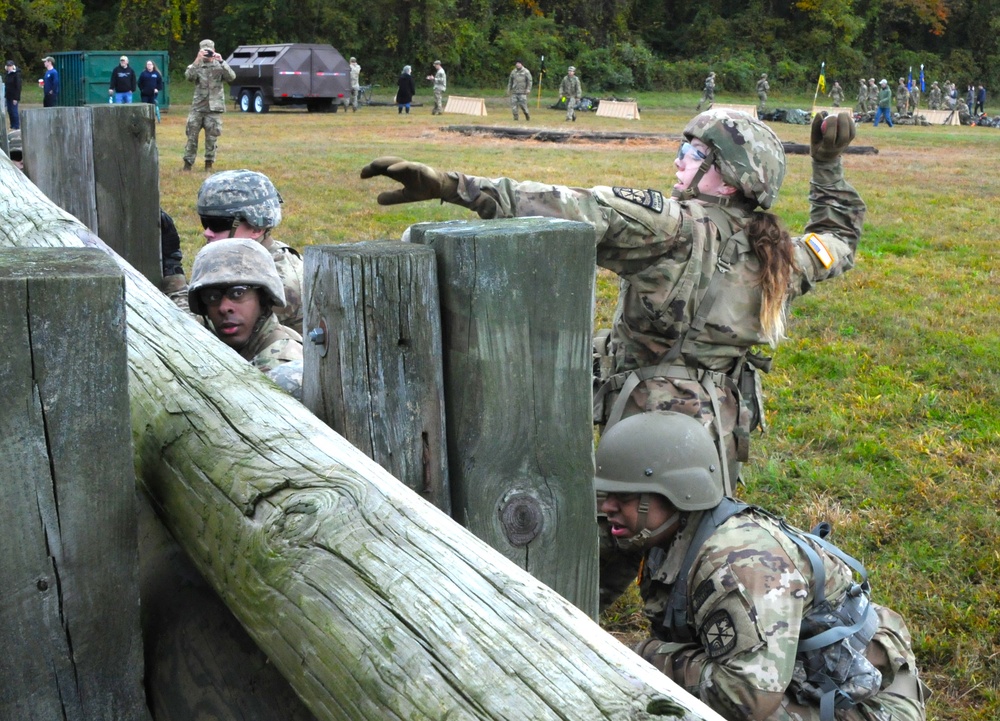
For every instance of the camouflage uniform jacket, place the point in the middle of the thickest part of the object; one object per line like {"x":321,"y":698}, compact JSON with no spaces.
{"x":748,"y":589}
{"x":355,"y":76}
{"x":902,"y":96}
{"x":570,"y":87}
{"x":272,"y":346}
{"x":836,"y":94}
{"x":665,"y":252}
{"x":289,"y":265}
{"x":519,"y":82}
{"x":440,"y":80}
{"x":209,"y":90}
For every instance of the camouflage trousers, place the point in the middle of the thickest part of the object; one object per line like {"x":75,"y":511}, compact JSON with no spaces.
{"x":571,"y":104}
{"x":212,"y":123}
{"x":519,"y":101}
{"x":707,"y":97}
{"x":438,"y":107}
{"x":355,"y":91}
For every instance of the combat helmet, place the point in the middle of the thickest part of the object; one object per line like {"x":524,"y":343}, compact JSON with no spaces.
{"x":241,"y":194}
{"x":747,"y":153}
{"x":234,"y":261}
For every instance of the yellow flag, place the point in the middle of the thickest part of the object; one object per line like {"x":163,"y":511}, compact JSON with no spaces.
{"x":822,"y":82}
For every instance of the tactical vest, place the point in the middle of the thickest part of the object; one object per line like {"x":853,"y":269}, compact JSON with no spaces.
{"x":832,"y":671}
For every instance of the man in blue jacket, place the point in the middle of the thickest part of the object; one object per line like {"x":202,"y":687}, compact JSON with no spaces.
{"x":50,"y":83}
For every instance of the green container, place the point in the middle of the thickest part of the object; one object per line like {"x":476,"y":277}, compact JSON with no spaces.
{"x":84,"y":76}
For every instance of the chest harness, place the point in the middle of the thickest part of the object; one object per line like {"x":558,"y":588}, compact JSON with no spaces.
{"x":832,"y":636}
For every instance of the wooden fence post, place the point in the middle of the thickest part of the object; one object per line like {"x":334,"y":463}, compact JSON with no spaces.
{"x":100,"y":163}
{"x":373,"y":371}
{"x":517,"y":300}
{"x":69,"y":620}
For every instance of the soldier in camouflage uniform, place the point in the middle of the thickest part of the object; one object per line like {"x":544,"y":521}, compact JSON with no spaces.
{"x":737,"y":598}
{"x":355,"y":84}
{"x":208,"y":72}
{"x":570,"y":89}
{"x":708,"y":96}
{"x":902,"y":96}
{"x":873,"y":91}
{"x":518,"y":87}
{"x":934,"y":97}
{"x":762,"y":88}
{"x":245,"y":204}
{"x":440,"y":80}
{"x":836,"y":94}
{"x":862,"y":106}
{"x":684,"y":330}
{"x":235,"y":287}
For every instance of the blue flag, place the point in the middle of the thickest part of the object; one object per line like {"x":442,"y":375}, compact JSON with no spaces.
{"x":921,"y":78}
{"x":909,"y":82}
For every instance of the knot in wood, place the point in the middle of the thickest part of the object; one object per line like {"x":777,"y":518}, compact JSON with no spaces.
{"x":522,"y":518}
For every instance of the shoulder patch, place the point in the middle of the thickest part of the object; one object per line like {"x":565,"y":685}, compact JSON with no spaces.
{"x":818,"y":248}
{"x":718,"y":634}
{"x":651,"y":199}
{"x":701,"y":594}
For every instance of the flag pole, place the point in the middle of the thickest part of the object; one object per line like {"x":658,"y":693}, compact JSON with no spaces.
{"x":822,"y":69}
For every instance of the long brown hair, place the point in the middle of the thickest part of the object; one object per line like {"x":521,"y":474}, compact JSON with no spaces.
{"x":773,"y":246}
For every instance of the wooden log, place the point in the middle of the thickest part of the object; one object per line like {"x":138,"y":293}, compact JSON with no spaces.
{"x":100,"y":163}
{"x":69,"y":619}
{"x":517,"y":299}
{"x":370,"y":601}
{"x":376,"y":376}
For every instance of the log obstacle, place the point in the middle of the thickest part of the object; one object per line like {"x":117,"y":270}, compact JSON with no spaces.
{"x":69,"y":604}
{"x":370,"y":601}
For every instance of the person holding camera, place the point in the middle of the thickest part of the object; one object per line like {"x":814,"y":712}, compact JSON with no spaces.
{"x":208,"y":72}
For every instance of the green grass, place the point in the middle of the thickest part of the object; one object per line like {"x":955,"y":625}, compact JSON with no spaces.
{"x":884,"y":404}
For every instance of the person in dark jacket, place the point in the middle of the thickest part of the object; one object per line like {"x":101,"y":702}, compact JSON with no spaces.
{"x":407,"y":89}
{"x":980,"y":106}
{"x":150,"y":85}
{"x":50,"y":83}
{"x":12,"y":91}
{"x":122,"y":83}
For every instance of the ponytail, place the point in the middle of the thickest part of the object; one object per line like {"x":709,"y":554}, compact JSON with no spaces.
{"x":773,"y":246}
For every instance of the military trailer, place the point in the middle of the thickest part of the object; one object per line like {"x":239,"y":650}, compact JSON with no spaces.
{"x":297,"y":74}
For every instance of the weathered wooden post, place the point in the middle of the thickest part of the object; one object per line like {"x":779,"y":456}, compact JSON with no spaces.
{"x":69,"y":615}
{"x":100,"y":163}
{"x":370,"y":601}
{"x":373,"y":357}
{"x":517,"y":299}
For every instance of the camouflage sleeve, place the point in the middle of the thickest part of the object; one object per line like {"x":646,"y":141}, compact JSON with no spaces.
{"x":191,"y":73}
{"x":836,"y":216}
{"x":228,"y":74}
{"x":631,"y":226}
{"x":289,"y":265}
{"x":747,"y":597}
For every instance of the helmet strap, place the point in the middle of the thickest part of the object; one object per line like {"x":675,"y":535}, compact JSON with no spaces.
{"x":639,"y":539}
{"x":691,"y":192}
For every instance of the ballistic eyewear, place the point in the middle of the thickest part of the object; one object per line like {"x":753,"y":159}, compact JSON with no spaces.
{"x":235,"y":293}
{"x":217,"y":225}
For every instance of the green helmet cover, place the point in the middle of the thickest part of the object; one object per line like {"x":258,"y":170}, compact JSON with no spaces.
{"x":235,"y":261}
{"x":748,"y":154}
{"x":661,"y":452}
{"x":241,"y":194}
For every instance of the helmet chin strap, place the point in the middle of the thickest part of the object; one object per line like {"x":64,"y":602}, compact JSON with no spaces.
{"x":639,"y":539}
{"x":691,"y":192}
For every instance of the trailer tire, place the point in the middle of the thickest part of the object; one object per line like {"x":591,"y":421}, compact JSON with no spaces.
{"x":259,"y":106}
{"x":244,"y":101}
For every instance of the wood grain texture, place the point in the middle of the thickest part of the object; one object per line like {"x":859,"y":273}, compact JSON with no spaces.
{"x":377,"y":378}
{"x":370,"y":601}
{"x":69,"y":619}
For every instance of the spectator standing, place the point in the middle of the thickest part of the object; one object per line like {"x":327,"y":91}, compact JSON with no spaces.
{"x":518,"y":87}
{"x":150,"y":85}
{"x":355,"y":84}
{"x":208,"y":72}
{"x":406,"y":90}
{"x":708,"y":95}
{"x":12,"y":93}
{"x":50,"y":83}
{"x":122,"y":83}
{"x":980,"y":106}
{"x":440,"y":80}
{"x":884,"y":103}
{"x":836,"y":94}
{"x":570,"y":89}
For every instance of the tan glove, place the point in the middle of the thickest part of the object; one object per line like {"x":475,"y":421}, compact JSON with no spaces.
{"x":830,"y":135}
{"x":420,"y":182}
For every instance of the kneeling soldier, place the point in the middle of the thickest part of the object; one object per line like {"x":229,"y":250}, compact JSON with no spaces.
{"x":754,"y":617}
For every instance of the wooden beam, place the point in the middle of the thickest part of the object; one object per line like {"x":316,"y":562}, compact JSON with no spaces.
{"x":371,"y":602}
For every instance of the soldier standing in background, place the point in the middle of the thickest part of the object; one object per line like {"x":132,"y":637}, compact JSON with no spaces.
{"x":873,"y":93}
{"x":518,"y":87}
{"x":836,"y":94}
{"x":708,"y":96}
{"x":355,"y":84}
{"x":902,"y":97}
{"x":440,"y":79}
{"x":862,"y":105}
{"x":762,"y":88}
{"x":570,"y":89}
{"x":208,"y":72}
{"x":934,"y":97}
{"x":914,"y":98}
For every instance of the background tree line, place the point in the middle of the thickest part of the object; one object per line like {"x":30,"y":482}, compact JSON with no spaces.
{"x":619,"y":45}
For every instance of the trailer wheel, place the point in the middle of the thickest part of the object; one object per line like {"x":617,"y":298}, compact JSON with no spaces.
{"x":259,"y":106}
{"x":245,"y":101}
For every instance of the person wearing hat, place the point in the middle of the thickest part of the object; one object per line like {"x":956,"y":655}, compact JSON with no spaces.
{"x":762,"y":87}
{"x":570,"y":89}
{"x":902,"y":96}
{"x":122,"y":83}
{"x":12,"y":92}
{"x":355,"y":84}
{"x":50,"y":83}
{"x":518,"y":87}
{"x":440,"y":80}
{"x":884,"y":102}
{"x":208,"y":72}
{"x":836,"y":94}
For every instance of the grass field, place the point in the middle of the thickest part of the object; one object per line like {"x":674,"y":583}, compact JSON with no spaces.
{"x":884,"y":404}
